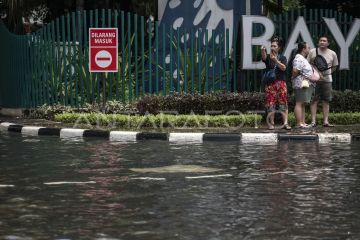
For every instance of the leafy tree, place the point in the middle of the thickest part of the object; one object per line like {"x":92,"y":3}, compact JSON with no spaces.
{"x":278,"y":6}
{"x":145,"y":7}
{"x":351,"y":7}
{"x":141,"y":7}
{"x":17,"y":9}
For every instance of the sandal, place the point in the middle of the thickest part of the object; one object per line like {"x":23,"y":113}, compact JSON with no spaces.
{"x":328,"y":125}
{"x":313,"y":125}
{"x":271,"y":127}
{"x":303,"y":126}
{"x":286,"y":127}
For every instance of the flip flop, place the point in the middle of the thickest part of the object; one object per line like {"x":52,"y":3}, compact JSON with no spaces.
{"x":328,"y":125}
{"x":302,"y":126}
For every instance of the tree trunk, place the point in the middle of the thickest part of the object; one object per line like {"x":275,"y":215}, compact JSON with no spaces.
{"x":79,"y":5}
{"x":15,"y":15}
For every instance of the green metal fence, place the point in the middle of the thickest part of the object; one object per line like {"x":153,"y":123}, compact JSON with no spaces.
{"x":51,"y":65}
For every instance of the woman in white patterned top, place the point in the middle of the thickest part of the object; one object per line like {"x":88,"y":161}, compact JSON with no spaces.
{"x":303,"y":88}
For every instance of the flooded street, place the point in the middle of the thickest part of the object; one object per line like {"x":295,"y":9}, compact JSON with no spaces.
{"x":95,"y":189}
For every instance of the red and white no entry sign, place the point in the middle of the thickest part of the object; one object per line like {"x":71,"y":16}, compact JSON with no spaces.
{"x":103,"y":49}
{"x":103,"y":59}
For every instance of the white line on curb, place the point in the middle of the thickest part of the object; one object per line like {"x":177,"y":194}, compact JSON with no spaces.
{"x":6,"y":124}
{"x":125,"y":136}
{"x":186,"y":137}
{"x":71,"y":133}
{"x":33,"y":131}
{"x":334,"y":137}
{"x":259,"y":137}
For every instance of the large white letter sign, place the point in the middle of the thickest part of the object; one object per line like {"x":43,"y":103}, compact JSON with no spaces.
{"x":339,"y":38}
{"x":249,"y":41}
{"x":299,"y":29}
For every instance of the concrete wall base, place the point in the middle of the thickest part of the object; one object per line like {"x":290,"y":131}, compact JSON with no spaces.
{"x":11,"y":112}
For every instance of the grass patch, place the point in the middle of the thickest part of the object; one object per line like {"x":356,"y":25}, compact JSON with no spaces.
{"x":344,"y":118}
{"x":159,"y":120}
{"x":166,"y":121}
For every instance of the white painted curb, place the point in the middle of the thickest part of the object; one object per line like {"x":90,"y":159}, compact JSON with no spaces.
{"x":334,"y":137}
{"x":186,"y":137}
{"x":71,"y":133}
{"x":125,"y":136}
{"x":259,"y":138}
{"x":32,"y":131}
{"x":6,"y":124}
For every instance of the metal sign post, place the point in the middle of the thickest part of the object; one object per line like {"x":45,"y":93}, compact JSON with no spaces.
{"x":103,"y":53}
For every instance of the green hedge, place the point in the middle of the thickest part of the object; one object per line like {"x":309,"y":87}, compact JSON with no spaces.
{"x":346,"y":101}
{"x":111,"y":107}
{"x":201,"y":104}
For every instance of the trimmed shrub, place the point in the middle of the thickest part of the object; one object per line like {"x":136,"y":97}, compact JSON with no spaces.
{"x":207,"y":104}
{"x":222,"y":103}
{"x":111,"y":107}
{"x":219,"y":103}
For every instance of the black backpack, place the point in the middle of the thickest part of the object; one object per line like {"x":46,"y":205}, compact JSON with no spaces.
{"x":320,"y":62}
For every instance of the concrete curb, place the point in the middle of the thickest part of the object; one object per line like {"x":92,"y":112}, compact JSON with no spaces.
{"x":267,"y":138}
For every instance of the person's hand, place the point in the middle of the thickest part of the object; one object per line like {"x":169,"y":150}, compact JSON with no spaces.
{"x":273,"y":57}
{"x":263,"y":49}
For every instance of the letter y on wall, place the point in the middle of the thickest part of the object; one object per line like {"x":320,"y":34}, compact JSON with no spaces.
{"x":339,"y":38}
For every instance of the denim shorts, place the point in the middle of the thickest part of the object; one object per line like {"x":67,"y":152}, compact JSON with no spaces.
{"x":304,"y":95}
